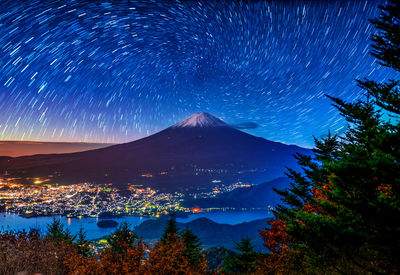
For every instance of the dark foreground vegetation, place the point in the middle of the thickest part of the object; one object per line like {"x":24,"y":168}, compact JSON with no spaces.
{"x":176,"y":252}
{"x":341,"y":215}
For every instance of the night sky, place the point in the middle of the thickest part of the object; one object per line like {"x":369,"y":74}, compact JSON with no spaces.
{"x":120,"y":70}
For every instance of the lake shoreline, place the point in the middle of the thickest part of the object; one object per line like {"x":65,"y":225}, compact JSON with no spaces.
{"x":116,"y":216}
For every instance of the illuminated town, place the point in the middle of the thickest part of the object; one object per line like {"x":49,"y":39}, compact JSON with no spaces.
{"x":42,"y":198}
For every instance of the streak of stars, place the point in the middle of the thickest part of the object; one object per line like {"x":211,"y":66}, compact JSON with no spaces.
{"x":120,"y":70}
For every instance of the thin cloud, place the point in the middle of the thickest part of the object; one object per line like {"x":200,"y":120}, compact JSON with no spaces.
{"x":246,"y":125}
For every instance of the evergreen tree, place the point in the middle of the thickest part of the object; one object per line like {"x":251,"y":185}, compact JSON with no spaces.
{"x":122,"y":239}
{"x":170,"y":231}
{"x":56,"y":232}
{"x":168,"y":257}
{"x":342,"y":212}
{"x":386,"y":47}
{"x":82,"y":244}
{"x":192,"y":246}
{"x":244,"y":262}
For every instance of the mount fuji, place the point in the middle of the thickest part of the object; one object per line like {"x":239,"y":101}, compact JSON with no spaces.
{"x":200,"y":120}
{"x":196,"y":153}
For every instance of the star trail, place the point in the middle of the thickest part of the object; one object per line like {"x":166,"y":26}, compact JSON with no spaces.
{"x":120,"y":70}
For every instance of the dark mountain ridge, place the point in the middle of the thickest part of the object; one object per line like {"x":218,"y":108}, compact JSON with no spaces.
{"x":210,"y":233}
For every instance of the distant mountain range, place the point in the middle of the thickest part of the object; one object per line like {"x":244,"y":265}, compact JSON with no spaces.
{"x":257,"y":196}
{"x":211,"y":234}
{"x":28,"y":148}
{"x":196,"y":153}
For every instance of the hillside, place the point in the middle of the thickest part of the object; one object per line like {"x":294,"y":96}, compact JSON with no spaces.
{"x":257,"y":196}
{"x":210,"y":233}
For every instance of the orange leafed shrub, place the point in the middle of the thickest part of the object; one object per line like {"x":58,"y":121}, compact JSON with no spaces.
{"x":29,"y":253}
{"x":283,"y":259}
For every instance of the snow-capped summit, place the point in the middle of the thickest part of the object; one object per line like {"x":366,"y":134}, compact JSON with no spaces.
{"x":202,"y":120}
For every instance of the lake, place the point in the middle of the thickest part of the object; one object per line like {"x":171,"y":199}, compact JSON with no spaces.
{"x":9,"y":221}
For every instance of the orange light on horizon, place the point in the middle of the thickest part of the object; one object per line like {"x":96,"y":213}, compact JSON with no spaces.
{"x":196,"y":210}
{"x":38,"y":181}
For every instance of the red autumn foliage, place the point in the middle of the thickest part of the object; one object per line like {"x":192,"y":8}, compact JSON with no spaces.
{"x":29,"y":253}
{"x":276,"y":239}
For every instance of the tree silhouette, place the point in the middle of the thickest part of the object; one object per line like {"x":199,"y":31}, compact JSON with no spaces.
{"x":170,"y":257}
{"x":244,"y":262}
{"x":82,"y":244}
{"x":122,"y":239}
{"x":192,"y":246}
{"x":57,"y":233}
{"x":340,"y":213}
{"x":171,"y":230}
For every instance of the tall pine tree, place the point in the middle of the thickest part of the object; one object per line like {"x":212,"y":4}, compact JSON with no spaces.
{"x":244,"y":262}
{"x":122,"y":239}
{"x":57,"y":233}
{"x":341,"y":214}
{"x":170,"y":231}
{"x":82,"y":244}
{"x":192,"y":246}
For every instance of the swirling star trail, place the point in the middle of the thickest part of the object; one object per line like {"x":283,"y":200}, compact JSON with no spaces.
{"x":119,"y":70}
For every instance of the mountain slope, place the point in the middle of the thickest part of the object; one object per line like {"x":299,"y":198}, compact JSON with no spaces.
{"x":188,"y":155}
